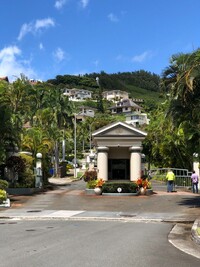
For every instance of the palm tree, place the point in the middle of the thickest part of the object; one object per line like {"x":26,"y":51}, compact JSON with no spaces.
{"x":182,"y":80}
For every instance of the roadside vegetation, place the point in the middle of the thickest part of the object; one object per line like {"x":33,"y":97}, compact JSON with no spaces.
{"x":37,"y":118}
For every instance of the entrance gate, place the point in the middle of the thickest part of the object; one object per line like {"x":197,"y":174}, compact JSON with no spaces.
{"x":183,"y":176}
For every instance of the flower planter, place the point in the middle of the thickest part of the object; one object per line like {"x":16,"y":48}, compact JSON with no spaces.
{"x":146,"y":192}
{"x":142,"y":191}
{"x":5,"y":203}
{"x":98,"y":191}
{"x":149,"y":192}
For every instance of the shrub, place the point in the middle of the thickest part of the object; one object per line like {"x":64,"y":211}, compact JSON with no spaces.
{"x":127,"y":187}
{"x":69,"y":166}
{"x":91,"y":184}
{"x":23,"y":167}
{"x":3,"y":195}
{"x":17,"y":163}
{"x":90,"y":175}
{"x":3,"y":184}
{"x":26,"y":180}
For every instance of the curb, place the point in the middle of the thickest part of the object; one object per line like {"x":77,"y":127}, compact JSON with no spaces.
{"x":194,"y":234}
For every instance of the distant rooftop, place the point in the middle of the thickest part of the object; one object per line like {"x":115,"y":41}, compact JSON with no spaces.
{"x":5,"y":78}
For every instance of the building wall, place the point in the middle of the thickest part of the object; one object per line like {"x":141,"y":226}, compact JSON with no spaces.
{"x":119,"y":153}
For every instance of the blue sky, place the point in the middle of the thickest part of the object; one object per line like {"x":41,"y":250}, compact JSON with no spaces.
{"x":45,"y":38}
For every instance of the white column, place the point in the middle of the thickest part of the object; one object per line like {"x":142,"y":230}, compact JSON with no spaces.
{"x":102,"y":163}
{"x":135,"y":163}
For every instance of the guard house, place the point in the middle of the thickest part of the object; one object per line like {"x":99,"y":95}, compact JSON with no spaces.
{"x":119,"y":147}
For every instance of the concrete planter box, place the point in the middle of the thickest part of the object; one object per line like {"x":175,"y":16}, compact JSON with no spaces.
{"x":89,"y":191}
{"x":5,"y":204}
{"x":149,"y":192}
{"x":22,"y":191}
{"x":120,"y":194}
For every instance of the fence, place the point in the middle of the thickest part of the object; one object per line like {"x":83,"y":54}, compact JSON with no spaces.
{"x":183,"y":176}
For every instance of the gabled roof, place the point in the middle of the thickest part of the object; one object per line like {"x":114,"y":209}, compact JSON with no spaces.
{"x":119,"y":129}
{"x":125,"y":103}
{"x":86,"y":107}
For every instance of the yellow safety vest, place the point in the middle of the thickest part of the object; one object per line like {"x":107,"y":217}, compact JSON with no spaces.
{"x":170,"y":176}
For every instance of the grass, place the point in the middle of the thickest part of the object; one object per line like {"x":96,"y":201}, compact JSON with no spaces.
{"x":198,"y":231}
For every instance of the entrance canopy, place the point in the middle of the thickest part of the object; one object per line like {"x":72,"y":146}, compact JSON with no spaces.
{"x":119,"y":148}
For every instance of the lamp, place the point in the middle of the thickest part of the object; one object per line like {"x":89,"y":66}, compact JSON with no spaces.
{"x":75,"y":156}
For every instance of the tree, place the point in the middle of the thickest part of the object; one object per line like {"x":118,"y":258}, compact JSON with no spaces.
{"x":182,"y":80}
{"x":9,"y":128}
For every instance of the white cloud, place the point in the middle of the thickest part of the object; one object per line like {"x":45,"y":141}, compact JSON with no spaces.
{"x":34,"y":27}
{"x":113,"y":17}
{"x":12,"y":66}
{"x":142,"y":57}
{"x":59,"y":4}
{"x":96,"y":63}
{"x":59,"y":54}
{"x":44,"y":23}
{"x":41,"y":47}
{"x":84,"y":3}
{"x":24,"y":30}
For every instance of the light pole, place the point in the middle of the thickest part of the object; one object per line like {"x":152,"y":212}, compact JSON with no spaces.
{"x":90,"y":126}
{"x":91,"y":136}
{"x":75,"y":156}
{"x":38,"y":178}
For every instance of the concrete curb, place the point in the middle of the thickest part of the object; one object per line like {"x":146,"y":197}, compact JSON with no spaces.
{"x":180,"y":237}
{"x":194,"y":234}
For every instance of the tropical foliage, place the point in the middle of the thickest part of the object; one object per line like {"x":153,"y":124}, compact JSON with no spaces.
{"x":3,"y":195}
{"x":174,"y":132}
{"x":37,"y":118}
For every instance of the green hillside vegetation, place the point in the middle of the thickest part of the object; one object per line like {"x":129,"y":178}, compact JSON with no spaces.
{"x":147,"y":95}
{"x":140,"y":84}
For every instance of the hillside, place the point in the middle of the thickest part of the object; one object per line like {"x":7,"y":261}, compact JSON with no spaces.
{"x":139,"y":84}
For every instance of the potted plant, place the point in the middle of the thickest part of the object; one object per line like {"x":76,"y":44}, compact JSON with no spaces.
{"x":144,"y":186}
{"x":3,"y":193}
{"x":90,"y":177}
{"x":98,"y":187}
{"x":3,"y":196}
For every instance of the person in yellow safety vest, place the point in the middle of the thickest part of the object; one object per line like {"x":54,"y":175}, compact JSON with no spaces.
{"x":170,"y":180}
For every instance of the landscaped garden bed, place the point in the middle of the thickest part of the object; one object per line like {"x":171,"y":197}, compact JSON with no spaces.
{"x":120,"y":189}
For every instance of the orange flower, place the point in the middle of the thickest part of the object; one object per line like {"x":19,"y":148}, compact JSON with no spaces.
{"x":139,"y":182}
{"x":100,"y":182}
{"x":143,"y":183}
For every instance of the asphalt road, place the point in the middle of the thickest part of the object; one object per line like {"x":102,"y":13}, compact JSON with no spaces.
{"x":99,"y":230}
{"x":89,"y":243}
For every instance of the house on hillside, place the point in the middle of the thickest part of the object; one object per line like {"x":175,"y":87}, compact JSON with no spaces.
{"x":85,"y":112}
{"x":5,"y":78}
{"x":137,"y":118}
{"x":125,"y":106}
{"x":34,"y":81}
{"x":78,"y":94}
{"x":115,"y":95}
{"x":138,"y":100}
